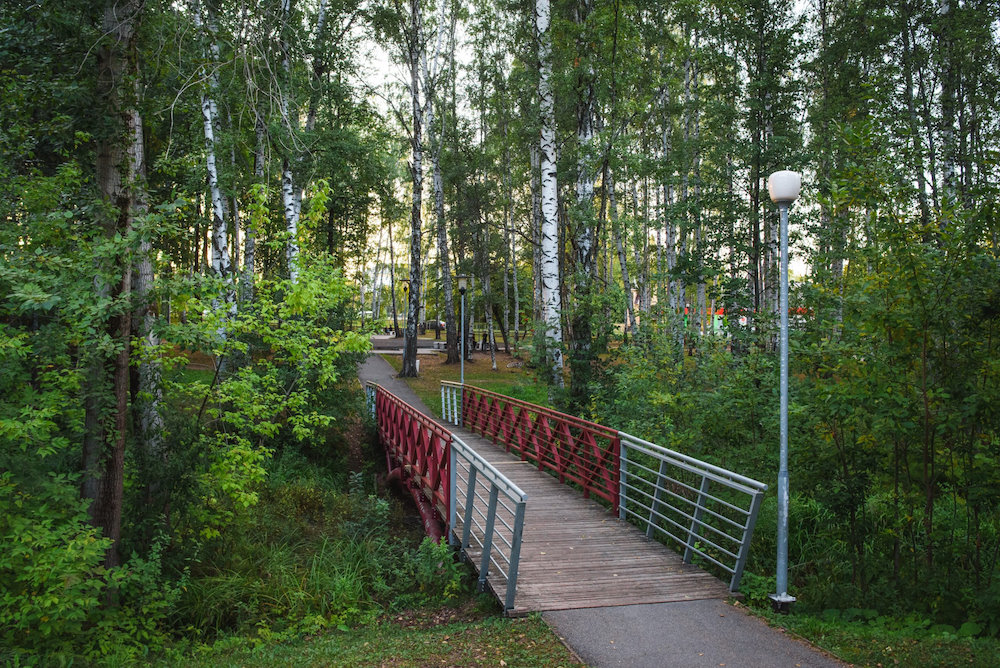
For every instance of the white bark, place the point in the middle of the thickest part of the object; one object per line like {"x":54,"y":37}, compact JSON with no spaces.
{"x":221,"y":263}
{"x":290,"y":118}
{"x":150,"y":394}
{"x":536,"y":224}
{"x":549,"y":231}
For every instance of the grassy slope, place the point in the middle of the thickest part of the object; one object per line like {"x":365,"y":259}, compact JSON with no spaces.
{"x":487,"y":642}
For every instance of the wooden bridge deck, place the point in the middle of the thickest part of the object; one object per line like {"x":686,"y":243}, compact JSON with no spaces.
{"x":576,"y":554}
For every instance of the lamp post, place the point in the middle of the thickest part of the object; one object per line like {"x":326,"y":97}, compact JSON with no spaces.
{"x":783,"y":187}
{"x":463,"y":285}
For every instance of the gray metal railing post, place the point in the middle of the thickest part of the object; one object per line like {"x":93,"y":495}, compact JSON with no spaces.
{"x":370,"y":391}
{"x":741,"y":561}
{"x":657,"y":498}
{"x":491,"y":516}
{"x":693,"y":532}
{"x":515,"y":556}
{"x":622,"y":478}
{"x":470,"y":502}
{"x":452,"y":494}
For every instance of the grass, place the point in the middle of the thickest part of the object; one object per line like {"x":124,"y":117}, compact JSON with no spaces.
{"x":887,"y":641}
{"x":402,"y":640}
{"x":512,"y":377}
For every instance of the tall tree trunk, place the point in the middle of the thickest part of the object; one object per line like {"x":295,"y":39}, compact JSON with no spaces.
{"x":698,"y":320}
{"x":415,"y":45}
{"x":392,"y":283}
{"x":511,"y":252}
{"x":948,"y":101}
{"x":106,"y":423}
{"x":549,"y":229}
{"x":221,"y":263}
{"x":536,"y":232}
{"x":250,"y":236}
{"x":583,"y":212}
{"x":435,"y":137}
{"x":290,"y":119}
{"x":620,"y":246}
{"x":150,"y":394}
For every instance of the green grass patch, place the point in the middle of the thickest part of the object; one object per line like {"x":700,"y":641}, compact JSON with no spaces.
{"x":395,"y":641}
{"x":187,"y":375}
{"x":512,"y":378}
{"x":863,"y":638}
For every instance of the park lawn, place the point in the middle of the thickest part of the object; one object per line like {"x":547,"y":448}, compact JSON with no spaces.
{"x":513,"y":377}
{"x":887,"y":642}
{"x":405,"y":640}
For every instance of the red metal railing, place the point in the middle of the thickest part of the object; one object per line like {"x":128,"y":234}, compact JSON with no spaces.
{"x":575,"y":450}
{"x":417,"y":450}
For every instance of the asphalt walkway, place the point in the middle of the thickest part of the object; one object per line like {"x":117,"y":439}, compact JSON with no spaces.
{"x":689,"y":634}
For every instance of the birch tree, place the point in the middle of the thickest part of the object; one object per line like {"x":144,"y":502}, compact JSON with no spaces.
{"x":549,"y":226}
{"x":414,"y":42}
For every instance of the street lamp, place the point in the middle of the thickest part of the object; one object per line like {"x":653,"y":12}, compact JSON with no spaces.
{"x":463,"y":285}
{"x":783,"y":187}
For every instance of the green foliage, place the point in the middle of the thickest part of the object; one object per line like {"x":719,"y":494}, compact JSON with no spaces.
{"x":51,"y":566}
{"x":893,"y":414}
{"x":313,"y":556}
{"x":438,"y":572}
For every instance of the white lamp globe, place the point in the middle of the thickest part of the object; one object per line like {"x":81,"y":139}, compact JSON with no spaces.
{"x":784,"y":186}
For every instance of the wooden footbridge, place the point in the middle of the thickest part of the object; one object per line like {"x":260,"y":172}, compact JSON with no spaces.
{"x":558,"y":513}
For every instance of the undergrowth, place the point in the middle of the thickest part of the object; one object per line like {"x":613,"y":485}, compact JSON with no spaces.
{"x":320,"y":551}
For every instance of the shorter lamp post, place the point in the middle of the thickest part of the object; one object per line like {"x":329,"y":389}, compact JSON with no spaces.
{"x":463,"y":285}
{"x":783,"y":187}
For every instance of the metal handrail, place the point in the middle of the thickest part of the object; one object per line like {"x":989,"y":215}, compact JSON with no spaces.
{"x":675,"y":500}
{"x":574,"y":449}
{"x":708,"y":510}
{"x":465,"y":476}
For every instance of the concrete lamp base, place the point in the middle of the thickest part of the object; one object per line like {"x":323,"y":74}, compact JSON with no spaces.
{"x":782,"y":603}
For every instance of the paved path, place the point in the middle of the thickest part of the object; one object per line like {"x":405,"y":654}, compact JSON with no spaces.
{"x":700,"y":633}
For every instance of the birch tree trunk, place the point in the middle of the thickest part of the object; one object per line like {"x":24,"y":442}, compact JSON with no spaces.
{"x":616,"y":230}
{"x":700,"y":250}
{"x":435,"y":137}
{"x":220,"y":261}
{"x":417,"y":173}
{"x":250,"y":235}
{"x":511,"y":252}
{"x":549,"y":228}
{"x":290,"y":119}
{"x":150,"y":394}
{"x":536,"y":233}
